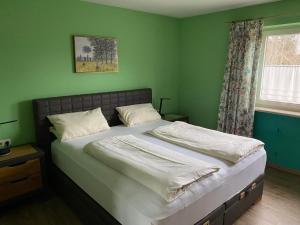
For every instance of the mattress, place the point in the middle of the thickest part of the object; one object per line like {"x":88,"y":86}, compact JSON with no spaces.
{"x":132,"y":203}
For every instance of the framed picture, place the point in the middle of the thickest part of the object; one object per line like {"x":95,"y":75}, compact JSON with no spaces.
{"x":95,"y":54}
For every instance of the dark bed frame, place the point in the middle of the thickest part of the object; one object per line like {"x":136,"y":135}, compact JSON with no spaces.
{"x":88,"y":210}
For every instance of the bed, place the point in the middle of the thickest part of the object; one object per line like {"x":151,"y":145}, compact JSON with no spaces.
{"x":107,"y":197}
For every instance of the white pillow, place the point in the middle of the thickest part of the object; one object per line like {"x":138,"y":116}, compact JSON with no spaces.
{"x":136,"y":114}
{"x":71,"y":125}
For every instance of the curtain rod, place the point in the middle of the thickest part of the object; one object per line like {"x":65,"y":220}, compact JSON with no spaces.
{"x":265,"y":17}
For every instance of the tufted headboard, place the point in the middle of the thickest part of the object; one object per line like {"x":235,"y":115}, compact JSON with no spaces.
{"x":108,"y":101}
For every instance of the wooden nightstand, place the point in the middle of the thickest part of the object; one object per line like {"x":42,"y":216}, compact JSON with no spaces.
{"x":175,"y":117}
{"x":21,"y":173}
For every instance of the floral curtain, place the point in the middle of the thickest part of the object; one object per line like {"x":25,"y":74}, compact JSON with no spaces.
{"x":236,"y":111}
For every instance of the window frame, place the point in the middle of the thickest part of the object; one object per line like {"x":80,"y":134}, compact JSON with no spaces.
{"x":268,"y":105}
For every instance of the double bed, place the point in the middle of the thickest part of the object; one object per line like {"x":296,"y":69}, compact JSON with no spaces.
{"x":101,"y":195}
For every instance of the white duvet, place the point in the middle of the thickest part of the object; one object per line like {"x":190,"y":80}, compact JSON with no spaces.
{"x":218,"y":144}
{"x":164,"y":171}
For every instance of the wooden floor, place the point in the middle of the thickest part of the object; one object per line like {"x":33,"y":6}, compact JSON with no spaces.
{"x":280,"y":205}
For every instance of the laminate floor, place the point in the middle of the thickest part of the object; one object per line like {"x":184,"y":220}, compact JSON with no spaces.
{"x":280,"y":205}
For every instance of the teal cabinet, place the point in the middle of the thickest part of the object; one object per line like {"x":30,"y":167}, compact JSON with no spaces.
{"x":281,"y":135}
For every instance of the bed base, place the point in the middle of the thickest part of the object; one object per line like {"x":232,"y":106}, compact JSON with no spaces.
{"x":86,"y":208}
{"x":238,"y":204}
{"x":216,"y":217}
{"x":91,"y":213}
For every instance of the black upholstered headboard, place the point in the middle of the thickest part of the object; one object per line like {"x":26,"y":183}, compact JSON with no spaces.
{"x":108,"y":101}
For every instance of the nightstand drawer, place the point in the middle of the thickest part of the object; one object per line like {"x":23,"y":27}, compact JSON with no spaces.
{"x":17,"y":171}
{"x":20,"y":186}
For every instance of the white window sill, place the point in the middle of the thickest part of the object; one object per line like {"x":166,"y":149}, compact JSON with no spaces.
{"x":278,"y":111}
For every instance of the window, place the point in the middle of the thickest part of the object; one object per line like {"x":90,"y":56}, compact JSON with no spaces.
{"x":279,"y":70}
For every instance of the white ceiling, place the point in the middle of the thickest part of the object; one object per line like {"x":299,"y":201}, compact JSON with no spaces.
{"x":180,"y":8}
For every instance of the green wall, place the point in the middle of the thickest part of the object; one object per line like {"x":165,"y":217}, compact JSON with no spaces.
{"x":204,"y":42}
{"x":37,"y":58}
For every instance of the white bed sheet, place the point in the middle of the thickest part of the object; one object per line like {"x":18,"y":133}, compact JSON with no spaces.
{"x":132,"y":203}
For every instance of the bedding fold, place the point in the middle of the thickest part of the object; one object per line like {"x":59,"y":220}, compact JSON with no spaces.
{"x":162,"y":170}
{"x":214,"y":143}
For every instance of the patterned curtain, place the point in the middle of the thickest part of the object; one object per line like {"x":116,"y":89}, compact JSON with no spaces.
{"x":236,"y":111}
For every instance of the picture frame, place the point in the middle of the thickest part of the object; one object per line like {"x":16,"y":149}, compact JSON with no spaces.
{"x":95,"y":54}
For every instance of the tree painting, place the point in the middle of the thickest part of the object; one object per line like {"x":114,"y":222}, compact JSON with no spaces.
{"x":95,"y":54}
